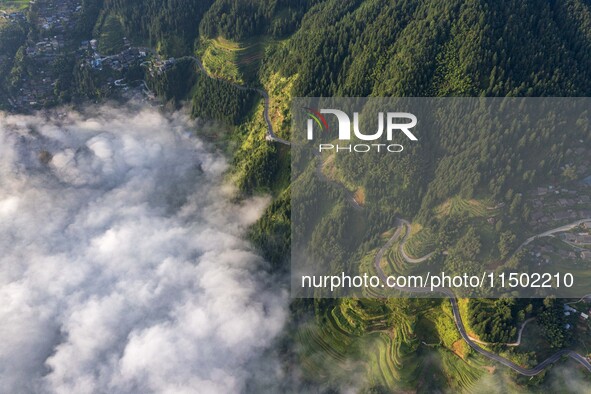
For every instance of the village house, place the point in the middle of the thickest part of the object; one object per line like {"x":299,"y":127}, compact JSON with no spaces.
{"x":579,"y":239}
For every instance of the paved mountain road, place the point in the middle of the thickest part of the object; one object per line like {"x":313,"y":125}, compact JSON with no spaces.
{"x":512,"y":344}
{"x":460,"y":324}
{"x":404,"y":255}
{"x":549,"y":233}
{"x":271,"y":136}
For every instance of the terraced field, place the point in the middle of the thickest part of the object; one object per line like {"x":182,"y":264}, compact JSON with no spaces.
{"x":330,"y":346}
{"x":420,"y":242}
{"x":339,"y":338}
{"x":233,"y":61}
{"x":392,"y":363}
{"x":461,"y":374}
{"x":380,"y":338}
{"x":458,"y":205}
{"x":395,"y":263}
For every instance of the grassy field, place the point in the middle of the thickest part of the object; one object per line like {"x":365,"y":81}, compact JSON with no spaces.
{"x":235,"y":61}
{"x":463,"y":304}
{"x":13,"y":5}
{"x":280,"y":98}
{"x":111,"y":36}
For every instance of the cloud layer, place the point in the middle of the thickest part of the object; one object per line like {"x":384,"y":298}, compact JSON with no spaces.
{"x":123,"y":267}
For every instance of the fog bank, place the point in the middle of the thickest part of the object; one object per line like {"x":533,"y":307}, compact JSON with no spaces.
{"x":123,"y":265}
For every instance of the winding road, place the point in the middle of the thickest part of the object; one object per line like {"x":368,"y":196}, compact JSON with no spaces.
{"x":403,"y":252}
{"x":460,"y":324}
{"x":271,"y":136}
{"x":512,"y":344}
{"x":549,"y":233}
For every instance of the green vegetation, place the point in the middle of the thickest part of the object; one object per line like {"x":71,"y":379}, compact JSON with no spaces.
{"x":395,"y":262}
{"x":497,"y":321}
{"x":506,"y":243}
{"x":12,"y":59}
{"x":220,"y":59}
{"x":177,"y":82}
{"x":217,"y":99}
{"x":111,"y":36}
{"x":533,"y":340}
{"x":464,"y":189}
{"x":447,"y":331}
{"x":13,"y":5}
{"x":170,"y":26}
{"x":89,"y":15}
{"x":553,"y":322}
{"x":257,"y":164}
{"x":272,"y":232}
{"x":453,"y":190}
{"x":243,"y":19}
{"x":394,"y":346}
{"x":460,"y":206}
{"x":420,"y":242}
{"x":233,"y":61}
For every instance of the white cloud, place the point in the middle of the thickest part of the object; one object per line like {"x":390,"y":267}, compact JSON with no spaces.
{"x":123,"y":267}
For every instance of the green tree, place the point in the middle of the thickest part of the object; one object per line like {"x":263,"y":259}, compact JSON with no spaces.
{"x":506,"y":243}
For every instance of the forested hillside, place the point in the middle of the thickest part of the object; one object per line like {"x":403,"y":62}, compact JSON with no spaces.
{"x":169,"y":26}
{"x":12,"y":37}
{"x":431,"y":48}
{"x":452,"y":48}
{"x":239,"y":19}
{"x":427,"y":48}
{"x":173,"y":26}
